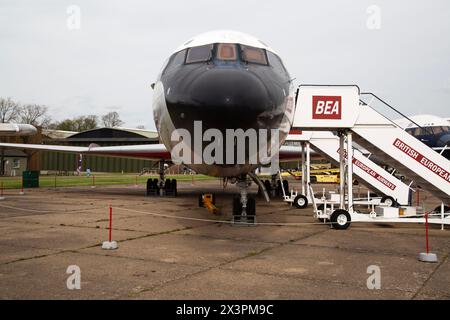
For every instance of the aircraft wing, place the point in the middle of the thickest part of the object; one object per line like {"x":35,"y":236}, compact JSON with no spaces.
{"x":293,"y":153}
{"x":143,"y":151}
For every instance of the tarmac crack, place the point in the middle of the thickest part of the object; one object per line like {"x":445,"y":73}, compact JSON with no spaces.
{"x":430,"y":276}
{"x":356,"y":250}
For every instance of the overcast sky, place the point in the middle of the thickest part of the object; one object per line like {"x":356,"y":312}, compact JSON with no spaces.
{"x":111,"y":60}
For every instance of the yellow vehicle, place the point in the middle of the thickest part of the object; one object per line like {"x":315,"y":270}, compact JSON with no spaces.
{"x":325,"y":178}
{"x":319,"y":176}
{"x":313,"y":172}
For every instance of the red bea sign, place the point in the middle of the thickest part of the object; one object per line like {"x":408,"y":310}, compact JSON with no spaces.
{"x":327,"y":107}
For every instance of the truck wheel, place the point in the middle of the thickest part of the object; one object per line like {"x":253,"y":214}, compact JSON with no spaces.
{"x":389,"y":201}
{"x":340,"y":219}
{"x":300,"y":202}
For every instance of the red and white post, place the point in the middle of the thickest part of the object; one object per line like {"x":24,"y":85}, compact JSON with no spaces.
{"x":1,"y":191}
{"x":22,"y":192}
{"x":427,"y":256}
{"x":110,"y":244}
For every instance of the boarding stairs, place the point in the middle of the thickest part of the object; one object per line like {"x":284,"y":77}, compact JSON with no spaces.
{"x":343,"y":108}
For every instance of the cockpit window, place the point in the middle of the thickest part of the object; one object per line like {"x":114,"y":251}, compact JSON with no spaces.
{"x":275,"y":62}
{"x":226,"y":51}
{"x":199,"y":54}
{"x":254,"y":55}
{"x":176,"y":60}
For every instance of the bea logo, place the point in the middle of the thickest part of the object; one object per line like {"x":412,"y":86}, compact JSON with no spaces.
{"x":327,"y":107}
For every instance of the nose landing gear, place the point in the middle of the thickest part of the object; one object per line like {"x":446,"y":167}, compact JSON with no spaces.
{"x":244,"y":207}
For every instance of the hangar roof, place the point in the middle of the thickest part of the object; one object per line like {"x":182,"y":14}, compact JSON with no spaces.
{"x":57,"y":134}
{"x":114,"y":134}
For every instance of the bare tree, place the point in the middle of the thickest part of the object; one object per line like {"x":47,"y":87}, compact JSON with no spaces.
{"x":34,"y":114}
{"x":111,"y":120}
{"x":9,"y":110}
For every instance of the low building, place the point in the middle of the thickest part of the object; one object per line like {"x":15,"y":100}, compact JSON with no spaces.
{"x":68,"y":163}
{"x":14,"y":162}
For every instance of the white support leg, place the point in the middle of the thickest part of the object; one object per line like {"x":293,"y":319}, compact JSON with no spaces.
{"x":341,"y":172}
{"x":308,"y":169}
{"x":442,"y":215}
{"x":304,"y":188}
{"x":350,"y":171}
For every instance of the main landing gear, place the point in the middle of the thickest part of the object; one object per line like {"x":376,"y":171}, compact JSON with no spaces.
{"x":162,"y":187}
{"x":244,"y":206}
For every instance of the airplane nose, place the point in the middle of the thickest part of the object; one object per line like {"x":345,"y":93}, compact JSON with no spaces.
{"x":222,"y":99}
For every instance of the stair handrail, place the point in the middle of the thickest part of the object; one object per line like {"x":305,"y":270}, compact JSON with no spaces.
{"x":392,"y":108}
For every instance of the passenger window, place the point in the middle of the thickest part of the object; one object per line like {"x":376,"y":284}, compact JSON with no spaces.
{"x":199,"y":54}
{"x":417,"y":132}
{"x":254,"y":55}
{"x":176,"y":60}
{"x":226,"y":52}
{"x":438,"y":130}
